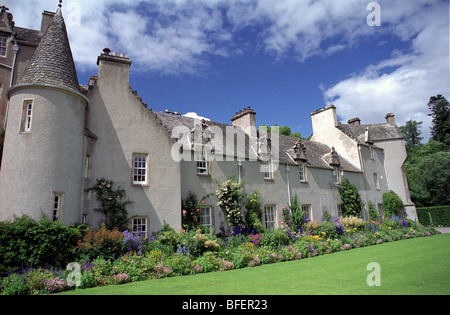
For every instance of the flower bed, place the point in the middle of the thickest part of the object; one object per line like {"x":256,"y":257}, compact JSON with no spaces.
{"x":170,"y":253}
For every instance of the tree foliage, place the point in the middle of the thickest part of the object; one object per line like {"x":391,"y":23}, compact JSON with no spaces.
{"x":440,"y":111}
{"x":411,"y":132}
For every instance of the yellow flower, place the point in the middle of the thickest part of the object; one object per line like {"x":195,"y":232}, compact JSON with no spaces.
{"x":348,"y":230}
{"x":326,"y":233}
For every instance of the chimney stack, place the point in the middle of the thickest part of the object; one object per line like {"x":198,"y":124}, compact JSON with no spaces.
{"x":390,"y":119}
{"x":47,"y":17}
{"x":246,"y":120}
{"x":354,"y":122}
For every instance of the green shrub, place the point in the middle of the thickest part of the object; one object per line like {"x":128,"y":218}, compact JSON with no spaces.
{"x":392,"y":204}
{"x":26,"y":242}
{"x":275,"y":238}
{"x":14,"y":285}
{"x":208,"y":262}
{"x":180,"y":264}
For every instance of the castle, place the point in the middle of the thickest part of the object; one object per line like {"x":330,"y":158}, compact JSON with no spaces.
{"x":62,"y":136}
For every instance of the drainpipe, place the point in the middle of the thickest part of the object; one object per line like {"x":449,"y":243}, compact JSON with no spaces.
{"x":288,"y":184}
{"x":15,"y":50}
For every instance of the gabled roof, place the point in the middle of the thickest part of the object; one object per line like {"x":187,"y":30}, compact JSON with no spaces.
{"x":377,"y":132}
{"x":52,"y":62}
{"x":314,"y":152}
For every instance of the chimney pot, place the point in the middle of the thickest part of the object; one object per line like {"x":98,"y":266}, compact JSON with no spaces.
{"x":390,"y":119}
{"x":106,"y":51}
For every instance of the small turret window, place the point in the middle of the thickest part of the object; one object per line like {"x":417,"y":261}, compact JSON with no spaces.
{"x":27,"y":116}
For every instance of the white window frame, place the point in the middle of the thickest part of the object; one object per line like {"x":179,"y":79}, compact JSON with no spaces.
{"x":3,"y":46}
{"x":308,"y":211}
{"x":266,"y":167}
{"x":206,"y":218}
{"x":203,"y":164}
{"x":302,"y":172}
{"x":139,"y":224}
{"x":270,"y":216}
{"x":336,"y":176}
{"x":140,"y":169}
{"x":27,"y":116}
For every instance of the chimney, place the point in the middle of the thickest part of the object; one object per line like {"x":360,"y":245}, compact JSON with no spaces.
{"x":47,"y":17}
{"x":354,"y":122}
{"x":390,"y":119}
{"x":246,"y":120}
{"x":113,"y":68}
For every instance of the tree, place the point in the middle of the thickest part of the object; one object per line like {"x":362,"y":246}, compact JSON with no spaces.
{"x":411,"y":133}
{"x":351,"y":203}
{"x":440,"y":111}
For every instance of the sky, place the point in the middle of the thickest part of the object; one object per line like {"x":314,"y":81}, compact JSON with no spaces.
{"x":284,"y":58}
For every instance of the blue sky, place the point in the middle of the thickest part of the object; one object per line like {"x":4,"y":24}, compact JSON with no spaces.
{"x":283,"y":58}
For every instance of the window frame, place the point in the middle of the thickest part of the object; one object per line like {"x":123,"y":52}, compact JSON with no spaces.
{"x":302,"y":172}
{"x":308,"y":211}
{"x":135,"y":168}
{"x":335,"y":173}
{"x":376,"y":181}
{"x":203,"y":164}
{"x":27,"y":116}
{"x":3,"y":48}
{"x":204,"y":214}
{"x":270,"y":224}
{"x":58,"y":206}
{"x":136,"y":225}
{"x":266,"y":168}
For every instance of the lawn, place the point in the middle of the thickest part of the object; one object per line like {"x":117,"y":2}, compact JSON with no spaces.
{"x":415,"y":266}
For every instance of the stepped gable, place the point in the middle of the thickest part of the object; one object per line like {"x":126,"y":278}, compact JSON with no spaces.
{"x":52,"y":62}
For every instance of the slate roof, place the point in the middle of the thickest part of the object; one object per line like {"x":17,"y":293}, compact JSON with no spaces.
{"x":313,"y":151}
{"x":27,"y":35}
{"x":52,"y":62}
{"x":377,"y":132}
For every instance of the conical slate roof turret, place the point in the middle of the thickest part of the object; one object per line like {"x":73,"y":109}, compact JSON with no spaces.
{"x":52,"y":62}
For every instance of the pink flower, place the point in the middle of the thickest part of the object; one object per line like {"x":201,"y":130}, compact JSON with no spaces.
{"x":184,"y":211}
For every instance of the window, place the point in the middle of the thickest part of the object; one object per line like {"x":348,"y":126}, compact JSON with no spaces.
{"x":269,"y":217}
{"x":336,"y":179}
{"x":202,"y":165}
{"x":339,"y":210}
{"x":57,"y":206}
{"x":139,"y":225}
{"x":376,"y":181}
{"x":371,"y":153}
{"x":27,"y":114}
{"x":140,"y":169}
{"x":206,"y":217}
{"x":3,"y":42}
{"x":267,"y":168}
{"x":302,"y":172}
{"x":87,"y":160}
{"x":307,"y":210}
{"x":380,"y":210}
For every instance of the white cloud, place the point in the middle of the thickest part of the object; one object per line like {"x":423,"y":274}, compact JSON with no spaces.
{"x":420,"y":73}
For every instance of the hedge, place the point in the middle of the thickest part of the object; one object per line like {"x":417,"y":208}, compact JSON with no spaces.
{"x":440,"y":215}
